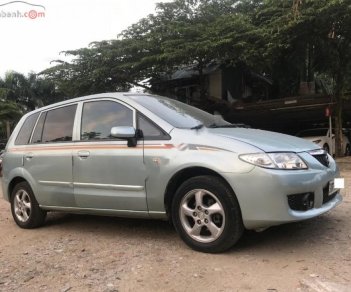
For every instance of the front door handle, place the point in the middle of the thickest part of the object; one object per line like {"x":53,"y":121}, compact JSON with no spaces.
{"x":83,"y":154}
{"x":28,"y":156}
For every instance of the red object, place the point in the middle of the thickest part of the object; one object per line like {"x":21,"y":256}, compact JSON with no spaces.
{"x":327,"y":111}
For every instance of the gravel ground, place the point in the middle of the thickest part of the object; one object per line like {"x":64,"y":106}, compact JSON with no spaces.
{"x":89,"y":253}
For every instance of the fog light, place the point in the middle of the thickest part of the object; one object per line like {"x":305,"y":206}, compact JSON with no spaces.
{"x":307,"y":201}
{"x":301,"y":202}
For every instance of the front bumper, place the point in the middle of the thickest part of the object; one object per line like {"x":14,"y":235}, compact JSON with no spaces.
{"x":263,"y":193}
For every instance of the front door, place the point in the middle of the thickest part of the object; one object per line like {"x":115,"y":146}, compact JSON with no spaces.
{"x":108,"y":175}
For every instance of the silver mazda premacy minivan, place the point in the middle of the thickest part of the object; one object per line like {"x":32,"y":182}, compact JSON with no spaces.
{"x":146,"y":156}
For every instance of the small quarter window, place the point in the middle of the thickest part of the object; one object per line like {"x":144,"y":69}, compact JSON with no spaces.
{"x":36,"y":138}
{"x":26,"y":130}
{"x":58,"y":126}
{"x":150,"y":130}
{"x":99,"y":117}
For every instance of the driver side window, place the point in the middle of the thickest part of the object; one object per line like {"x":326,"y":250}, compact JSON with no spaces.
{"x":99,"y":117}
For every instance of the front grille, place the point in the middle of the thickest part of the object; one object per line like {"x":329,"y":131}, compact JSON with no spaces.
{"x":322,"y":158}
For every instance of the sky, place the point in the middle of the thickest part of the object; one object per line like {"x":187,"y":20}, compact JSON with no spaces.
{"x":34,"y":32}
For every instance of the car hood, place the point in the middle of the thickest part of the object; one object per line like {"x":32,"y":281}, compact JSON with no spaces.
{"x":265,"y":140}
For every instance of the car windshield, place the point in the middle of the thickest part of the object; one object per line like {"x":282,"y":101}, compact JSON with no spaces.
{"x":178,"y":114}
{"x":313,"y":133}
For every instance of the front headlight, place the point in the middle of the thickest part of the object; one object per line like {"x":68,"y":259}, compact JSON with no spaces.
{"x":275,"y":160}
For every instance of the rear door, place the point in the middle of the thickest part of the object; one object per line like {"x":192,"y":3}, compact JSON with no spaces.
{"x":48,"y":158}
{"x":108,"y":175}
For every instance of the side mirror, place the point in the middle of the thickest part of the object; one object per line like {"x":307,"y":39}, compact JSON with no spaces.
{"x":125,"y":133}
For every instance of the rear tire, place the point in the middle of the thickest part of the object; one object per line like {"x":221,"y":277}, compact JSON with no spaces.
{"x":25,"y":208}
{"x":206,"y":214}
{"x":348,"y":150}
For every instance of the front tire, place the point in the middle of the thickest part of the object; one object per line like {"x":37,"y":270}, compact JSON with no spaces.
{"x":25,"y":208}
{"x":206,"y":214}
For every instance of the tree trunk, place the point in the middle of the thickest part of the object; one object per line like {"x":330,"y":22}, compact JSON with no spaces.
{"x":307,"y":84}
{"x":202,"y":79}
{"x":8,"y":129}
{"x":338,"y":130}
{"x":339,"y":86}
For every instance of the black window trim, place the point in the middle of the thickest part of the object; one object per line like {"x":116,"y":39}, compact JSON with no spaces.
{"x":42,"y":130}
{"x":30,"y":136}
{"x":134,"y":111}
{"x":165,"y":135}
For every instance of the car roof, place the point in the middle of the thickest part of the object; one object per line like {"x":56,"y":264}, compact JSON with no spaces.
{"x":123,"y":96}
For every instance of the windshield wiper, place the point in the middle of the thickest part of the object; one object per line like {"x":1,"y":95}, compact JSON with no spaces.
{"x":199,"y":126}
{"x":214,"y":125}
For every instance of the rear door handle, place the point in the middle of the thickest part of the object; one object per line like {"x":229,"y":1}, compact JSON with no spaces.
{"x":83,"y":154}
{"x":28,"y":156}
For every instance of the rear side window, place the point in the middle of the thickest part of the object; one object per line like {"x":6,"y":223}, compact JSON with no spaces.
{"x":99,"y":117}
{"x":26,"y":130}
{"x":58,"y":125}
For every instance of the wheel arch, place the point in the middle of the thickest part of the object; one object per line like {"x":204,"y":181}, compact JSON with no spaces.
{"x":16,"y":180}
{"x":183,"y":175}
{"x":17,"y":175}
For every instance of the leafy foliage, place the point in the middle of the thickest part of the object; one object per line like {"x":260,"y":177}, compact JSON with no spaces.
{"x":19,"y":94}
{"x":291,"y":41}
{"x":181,"y":33}
{"x":30,"y":92}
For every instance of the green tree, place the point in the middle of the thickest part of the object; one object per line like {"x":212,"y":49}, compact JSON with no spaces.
{"x":334,"y":26}
{"x":10,"y":113}
{"x":90,"y":71}
{"x":29,"y":91}
{"x":20,"y":93}
{"x":181,"y":33}
{"x":289,"y":40}
{"x":318,"y":35}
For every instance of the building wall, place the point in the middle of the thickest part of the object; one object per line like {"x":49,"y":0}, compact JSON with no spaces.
{"x":215,"y":84}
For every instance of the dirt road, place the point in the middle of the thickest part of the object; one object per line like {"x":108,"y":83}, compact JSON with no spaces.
{"x":87,"y":253}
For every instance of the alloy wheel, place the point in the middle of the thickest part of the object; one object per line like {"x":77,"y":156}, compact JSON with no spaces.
{"x":23,"y":205}
{"x":202,"y":215}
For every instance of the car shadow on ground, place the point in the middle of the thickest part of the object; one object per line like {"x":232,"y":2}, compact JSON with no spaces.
{"x":290,"y":236}
{"x":109,"y":226}
{"x":293,"y":235}
{"x":104,"y":222}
